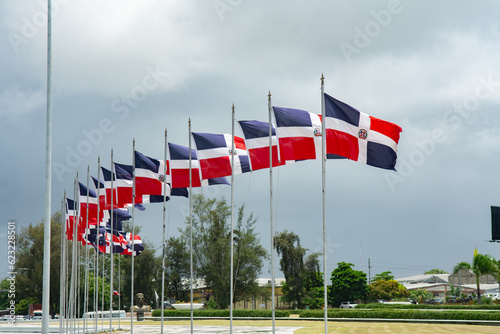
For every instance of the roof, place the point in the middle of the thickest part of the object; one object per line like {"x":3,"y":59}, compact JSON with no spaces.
{"x":428,"y":278}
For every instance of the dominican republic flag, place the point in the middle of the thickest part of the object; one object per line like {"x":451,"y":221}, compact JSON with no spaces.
{"x":151,"y":176}
{"x":102,"y":240}
{"x":100,"y":192}
{"x":358,"y":136}
{"x":88,"y":202}
{"x":214,"y":155}
{"x":138,"y":245}
{"x":95,"y":236}
{"x":299,"y":134}
{"x":119,"y":216}
{"x":124,"y":184}
{"x":256,"y":135}
{"x":179,"y":169}
{"x":108,"y":176}
{"x":71,"y":215}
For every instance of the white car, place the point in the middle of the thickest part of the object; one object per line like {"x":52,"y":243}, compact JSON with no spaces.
{"x":348,"y":305}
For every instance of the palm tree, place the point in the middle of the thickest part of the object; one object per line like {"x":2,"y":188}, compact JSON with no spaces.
{"x":482,"y":264}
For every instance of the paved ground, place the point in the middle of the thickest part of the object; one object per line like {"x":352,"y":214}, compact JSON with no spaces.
{"x":155,"y":329}
{"x":168,"y":329}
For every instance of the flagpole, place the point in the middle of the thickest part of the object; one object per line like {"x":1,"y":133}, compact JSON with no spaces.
{"x":273,"y":306}
{"x":133,"y":237}
{"x":85,"y":296}
{"x":61,"y":269}
{"x":190,"y":224}
{"x":111,"y":252}
{"x":73,"y":258}
{"x":48,"y":181}
{"x":163,"y":239}
{"x":96,"y":286}
{"x":323,"y":173}
{"x":98,"y":244}
{"x":232,"y":225}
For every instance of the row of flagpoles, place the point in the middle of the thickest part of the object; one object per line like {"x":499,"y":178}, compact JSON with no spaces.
{"x":340,"y":131}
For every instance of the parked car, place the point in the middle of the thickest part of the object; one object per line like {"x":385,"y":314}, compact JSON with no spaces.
{"x":348,"y":305}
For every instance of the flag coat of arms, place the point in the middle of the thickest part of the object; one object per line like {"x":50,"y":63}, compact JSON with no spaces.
{"x":256,"y":134}
{"x":358,"y":136}
{"x":179,"y":168}
{"x":299,"y":134}
{"x":214,"y":155}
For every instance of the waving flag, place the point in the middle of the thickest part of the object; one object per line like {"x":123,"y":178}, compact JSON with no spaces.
{"x":214,"y":155}
{"x":179,"y":169}
{"x":299,"y":134}
{"x":88,"y":202}
{"x":256,"y":135}
{"x":101,"y":192}
{"x":150,"y":176}
{"x":108,"y":176}
{"x":71,"y":215}
{"x":124,"y":184}
{"x":358,"y":136}
{"x":119,"y":216}
{"x":138,"y":245}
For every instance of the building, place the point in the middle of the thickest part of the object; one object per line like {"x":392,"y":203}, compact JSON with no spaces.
{"x":439,"y":284}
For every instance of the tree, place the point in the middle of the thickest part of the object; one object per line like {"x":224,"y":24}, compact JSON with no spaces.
{"x":482,"y":264}
{"x":347,"y":284}
{"x":435,"y":272}
{"x":457,"y":269}
{"x":177,"y":268}
{"x":29,"y":264}
{"x":288,"y":246}
{"x":420,"y":295}
{"x":212,"y":249}
{"x":386,"y":276}
{"x":388,"y":290}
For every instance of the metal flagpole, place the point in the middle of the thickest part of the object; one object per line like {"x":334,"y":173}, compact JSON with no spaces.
{"x":119,"y":289}
{"x":132,"y":235}
{"x":61,"y":268}
{"x":190,"y":224}
{"x":73,"y":259}
{"x":323,"y":173}
{"x":163,"y":240}
{"x":99,"y":241}
{"x":231,"y":294}
{"x":48,"y":181}
{"x":273,"y":306}
{"x":96,"y":285}
{"x":112,"y":246}
{"x":85,"y":296}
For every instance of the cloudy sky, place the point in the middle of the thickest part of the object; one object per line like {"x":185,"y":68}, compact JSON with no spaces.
{"x":130,"y":69}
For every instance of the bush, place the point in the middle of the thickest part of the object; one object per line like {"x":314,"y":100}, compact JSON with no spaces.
{"x":404,"y":314}
{"x":428,"y":306}
{"x":223,"y":313}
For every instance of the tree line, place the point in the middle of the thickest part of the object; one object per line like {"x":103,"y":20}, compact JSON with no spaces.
{"x":303,"y":287}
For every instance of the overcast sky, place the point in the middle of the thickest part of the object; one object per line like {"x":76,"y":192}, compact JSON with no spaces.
{"x":130,"y":69}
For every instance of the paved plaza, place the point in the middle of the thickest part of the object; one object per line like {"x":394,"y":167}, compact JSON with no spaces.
{"x":154,"y":329}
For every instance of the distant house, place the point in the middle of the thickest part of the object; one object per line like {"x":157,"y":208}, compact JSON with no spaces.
{"x":437,"y":284}
{"x":466,"y":278}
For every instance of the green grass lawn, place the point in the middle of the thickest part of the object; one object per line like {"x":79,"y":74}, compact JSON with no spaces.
{"x":313,"y":327}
